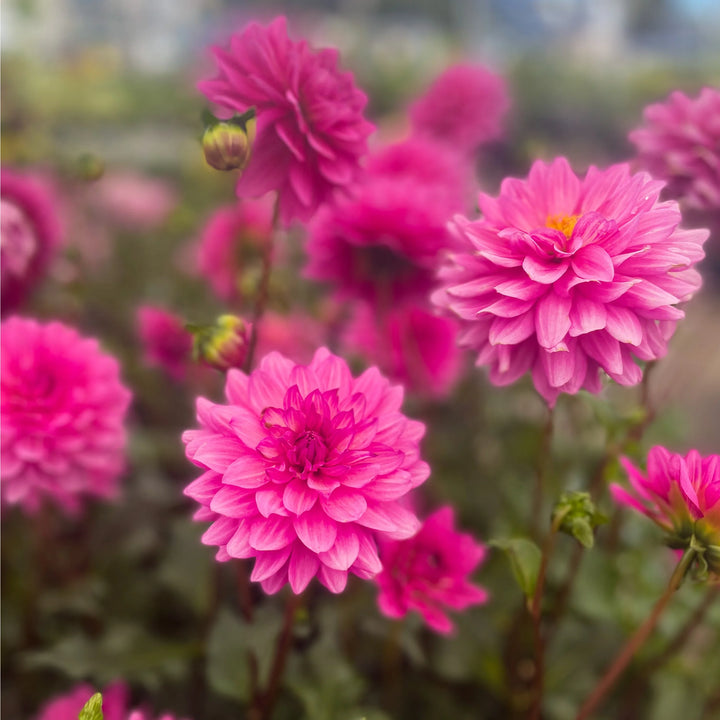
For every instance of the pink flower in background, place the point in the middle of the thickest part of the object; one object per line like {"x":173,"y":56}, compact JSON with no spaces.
{"x":429,"y":572}
{"x":166,"y":342}
{"x":296,"y":335}
{"x":114,"y":704}
{"x":63,"y":409}
{"x":464,"y":107}
{"x":232,"y":239}
{"x":311,"y":133}
{"x":563,"y":277}
{"x":680,"y":494}
{"x":680,"y":143}
{"x":303,"y":468}
{"x":29,"y":234}
{"x":410,"y":345}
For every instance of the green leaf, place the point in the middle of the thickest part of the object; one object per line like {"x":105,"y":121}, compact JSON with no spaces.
{"x":524,"y":556}
{"x":92,"y":710}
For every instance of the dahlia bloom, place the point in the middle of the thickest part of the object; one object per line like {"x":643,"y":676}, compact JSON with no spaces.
{"x":682,"y":496}
{"x":29,"y":234}
{"x":63,"y":406}
{"x":428,"y":572}
{"x":410,"y":345}
{"x":114,"y":705}
{"x":563,"y":277}
{"x":233,"y":238}
{"x":303,"y":469}
{"x":311,"y":133}
{"x":680,"y":143}
{"x":382,"y":242}
{"x":463,"y":107}
{"x":296,"y":335}
{"x":166,"y":342}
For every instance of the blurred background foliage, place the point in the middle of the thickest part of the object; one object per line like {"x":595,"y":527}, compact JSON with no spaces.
{"x":129,"y":592}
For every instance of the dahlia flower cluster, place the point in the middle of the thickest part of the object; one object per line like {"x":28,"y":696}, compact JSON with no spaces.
{"x":563,"y":277}
{"x":303,"y":469}
{"x":62,"y":411}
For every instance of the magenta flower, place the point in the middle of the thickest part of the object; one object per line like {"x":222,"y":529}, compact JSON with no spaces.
{"x":382,"y":243}
{"x":311,"y":133}
{"x":410,"y":345}
{"x":563,"y":277}
{"x":296,"y":335}
{"x":680,"y":143}
{"x":463,"y":107}
{"x":303,"y":469}
{"x":166,"y":342}
{"x":682,"y":496}
{"x":29,"y":234}
{"x":63,"y":406}
{"x":233,"y":238}
{"x":114,"y":705}
{"x":429,"y":572}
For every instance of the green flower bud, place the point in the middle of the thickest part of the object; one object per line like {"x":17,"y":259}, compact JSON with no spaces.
{"x":223,"y":345}
{"x":575,"y":514}
{"x":227,"y":143}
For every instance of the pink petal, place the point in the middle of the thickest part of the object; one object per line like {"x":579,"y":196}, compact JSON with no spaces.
{"x":344,"y":552}
{"x":298,"y":498}
{"x":302,"y":568}
{"x":233,"y":502}
{"x":334,"y":580}
{"x":391,"y":518}
{"x":344,"y":505}
{"x":271,"y":533}
{"x":591,"y":262}
{"x":269,"y":563}
{"x":248,"y":471}
{"x":624,"y":325}
{"x":552,"y":319}
{"x":316,"y":530}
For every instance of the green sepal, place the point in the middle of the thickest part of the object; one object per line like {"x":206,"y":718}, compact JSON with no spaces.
{"x":92,"y":710}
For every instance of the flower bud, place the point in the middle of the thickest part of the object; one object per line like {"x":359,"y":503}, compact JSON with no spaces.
{"x":223,"y":345}
{"x":227,"y":143}
{"x":575,"y":514}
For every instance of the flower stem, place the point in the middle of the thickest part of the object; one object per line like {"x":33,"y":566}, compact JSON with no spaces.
{"x":636,"y":641}
{"x":542,"y":467}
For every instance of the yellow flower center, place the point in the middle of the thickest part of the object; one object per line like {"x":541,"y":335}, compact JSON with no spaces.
{"x":564,"y":223}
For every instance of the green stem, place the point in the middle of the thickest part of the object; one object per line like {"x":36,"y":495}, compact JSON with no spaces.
{"x":636,"y":641}
{"x":541,"y":472}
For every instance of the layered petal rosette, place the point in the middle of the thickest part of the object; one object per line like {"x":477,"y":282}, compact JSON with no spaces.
{"x":429,"y":572}
{"x":563,"y":277}
{"x":303,"y":467}
{"x":680,"y":143}
{"x":682,"y":496}
{"x":311,"y":133}
{"x":63,"y":409}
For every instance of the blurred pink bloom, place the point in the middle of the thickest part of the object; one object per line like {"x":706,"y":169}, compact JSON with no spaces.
{"x":311,"y":133}
{"x":114,"y":705}
{"x":429,"y":572}
{"x":464,"y":107}
{"x":296,"y":335}
{"x":232,"y":238}
{"x":29,"y":234}
{"x":410,"y":345}
{"x":166,"y":342}
{"x":303,"y":469}
{"x":382,"y":243}
{"x":63,"y":409}
{"x":563,"y":277}
{"x":680,"y":143}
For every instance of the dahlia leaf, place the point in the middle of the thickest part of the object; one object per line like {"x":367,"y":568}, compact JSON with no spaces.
{"x":524,"y":556}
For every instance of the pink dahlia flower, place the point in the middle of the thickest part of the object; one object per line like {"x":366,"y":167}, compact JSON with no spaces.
{"x":296,"y":335}
{"x":463,"y":107}
{"x":233,"y":238}
{"x":114,"y":705}
{"x":563,"y":277}
{"x":429,"y":572}
{"x":680,"y":143}
{"x":304,"y":468}
{"x":166,"y":342}
{"x":63,"y":407}
{"x":410,"y":345}
{"x":311,"y":133}
{"x":680,"y":494}
{"x":29,"y":235}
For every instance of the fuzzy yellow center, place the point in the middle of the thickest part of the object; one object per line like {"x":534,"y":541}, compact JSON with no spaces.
{"x":564,"y":223}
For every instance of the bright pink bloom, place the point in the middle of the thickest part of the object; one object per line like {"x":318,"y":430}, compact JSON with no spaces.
{"x":296,"y":335}
{"x":680,"y":494}
{"x":29,"y":234}
{"x":232,"y":239}
{"x":114,"y":705}
{"x":680,"y":143}
{"x":303,"y":469}
{"x":464,"y":107}
{"x":311,"y":133}
{"x":429,"y":572}
{"x":63,"y":407}
{"x":563,"y":277}
{"x":410,"y":345}
{"x":382,"y":243}
{"x":166,"y":342}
